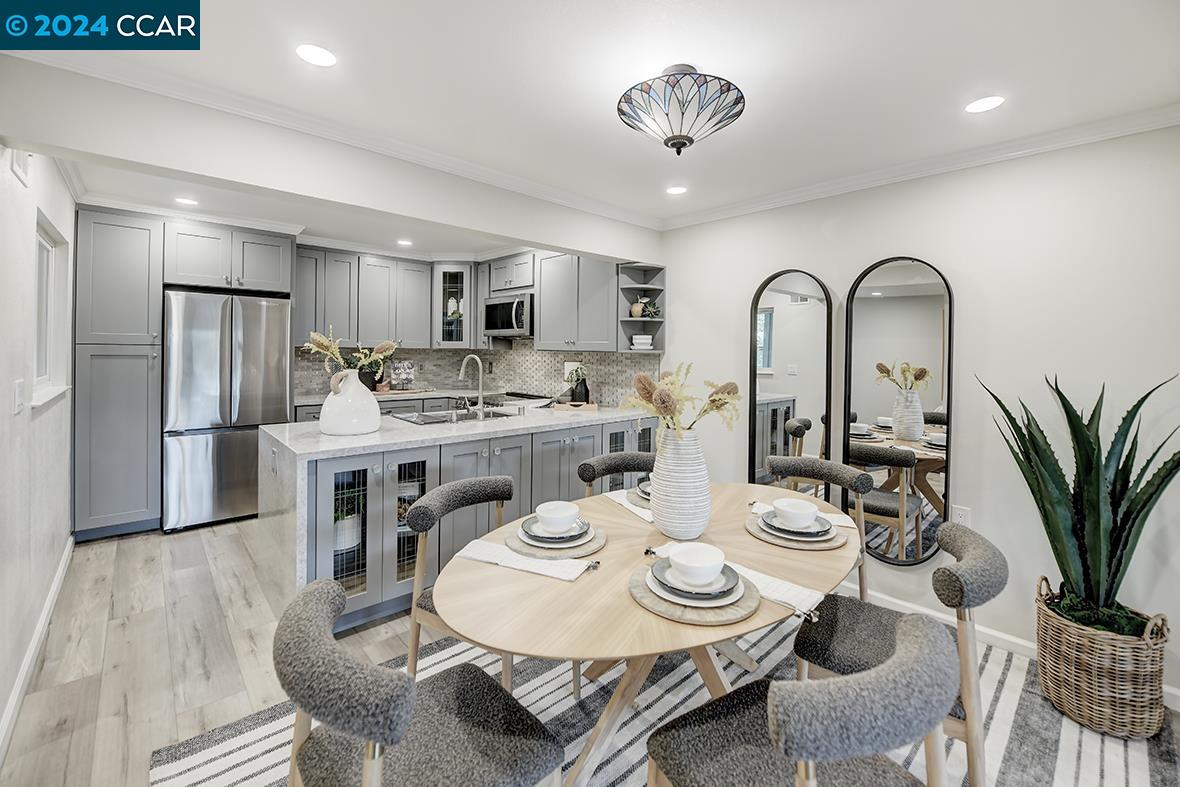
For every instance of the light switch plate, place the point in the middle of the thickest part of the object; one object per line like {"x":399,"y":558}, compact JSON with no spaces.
{"x":18,"y":397}
{"x":961,"y":515}
{"x":792,"y":368}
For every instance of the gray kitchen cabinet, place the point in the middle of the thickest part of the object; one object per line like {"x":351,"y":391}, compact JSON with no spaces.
{"x":576,"y":304}
{"x":555,"y":460}
{"x":770,"y":439}
{"x":512,"y":272}
{"x":339,"y":289}
{"x":396,"y":406}
{"x":120,"y":266}
{"x":454,"y":303}
{"x":555,"y":321}
{"x":461,"y":461}
{"x":513,"y":456}
{"x":760,"y":418}
{"x":308,"y":413}
{"x":377,"y":304}
{"x":197,"y":254}
{"x":261,"y":262}
{"x":305,"y":297}
{"x":637,"y":435}
{"x":412,"y":305}
{"x":117,"y":438}
{"x":409,"y":474}
{"x":483,"y":272}
{"x":435,"y":405}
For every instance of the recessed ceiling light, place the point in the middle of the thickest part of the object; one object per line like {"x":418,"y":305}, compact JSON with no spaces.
{"x":405,"y":242}
{"x":878,"y":294}
{"x":984,"y":104}
{"x":316,"y":55}
{"x":186,"y":201}
{"x":674,"y":190}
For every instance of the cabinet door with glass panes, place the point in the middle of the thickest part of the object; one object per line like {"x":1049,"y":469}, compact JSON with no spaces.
{"x":454,"y":303}
{"x":349,"y":505}
{"x":409,"y":474}
{"x":638,"y":435}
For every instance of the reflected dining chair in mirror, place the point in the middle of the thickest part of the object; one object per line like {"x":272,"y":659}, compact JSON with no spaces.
{"x":790,"y":373}
{"x":897,"y":395}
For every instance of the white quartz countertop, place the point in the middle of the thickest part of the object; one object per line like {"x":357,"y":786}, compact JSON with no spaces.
{"x":307,"y":443}
{"x":765,"y":398}
{"x":314,"y":400}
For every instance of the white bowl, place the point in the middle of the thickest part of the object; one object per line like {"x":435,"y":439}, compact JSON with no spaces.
{"x":696,"y":564}
{"x":883,"y":420}
{"x":795,"y":512}
{"x":938,"y":438}
{"x":858,"y":428}
{"x":557,"y":517}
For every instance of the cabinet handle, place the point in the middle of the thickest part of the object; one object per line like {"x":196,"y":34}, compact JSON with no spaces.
{"x":239,"y":280}
{"x":155,"y":355}
{"x":391,"y":467}
{"x":315,"y":417}
{"x":155,"y":334}
{"x":565,"y":441}
{"x":484,"y":452}
{"x":497,"y":452}
{"x":376,"y":469}
{"x":576,"y":439}
{"x":227,"y":281}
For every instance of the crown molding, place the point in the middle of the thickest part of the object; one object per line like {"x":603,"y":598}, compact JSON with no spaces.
{"x":118,"y":203}
{"x":1110,"y":128}
{"x":256,"y":109}
{"x":72,"y":176}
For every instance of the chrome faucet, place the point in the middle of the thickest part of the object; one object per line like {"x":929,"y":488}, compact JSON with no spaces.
{"x":463,"y":376}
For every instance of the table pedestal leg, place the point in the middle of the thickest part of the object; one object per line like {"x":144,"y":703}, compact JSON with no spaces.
{"x":620,"y":702}
{"x":598,"y":668}
{"x":711,"y":674}
{"x":733,"y":651}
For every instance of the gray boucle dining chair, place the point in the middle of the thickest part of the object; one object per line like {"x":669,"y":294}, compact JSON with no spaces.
{"x":422,"y":516}
{"x":934,"y":417}
{"x":852,"y":636}
{"x":858,"y":482}
{"x":833,"y":732}
{"x":891,"y":509}
{"x":377,"y":725}
{"x":612,"y":464}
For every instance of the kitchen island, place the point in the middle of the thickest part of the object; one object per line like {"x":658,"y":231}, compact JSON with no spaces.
{"x":334,"y":506}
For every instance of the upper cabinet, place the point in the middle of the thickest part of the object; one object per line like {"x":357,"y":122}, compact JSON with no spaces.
{"x":198,"y":254}
{"x":120,"y":267}
{"x":512,"y":272}
{"x":324,"y":295}
{"x":261,"y":262}
{"x":305,"y":286}
{"x":454,"y":304}
{"x":412,"y":320}
{"x":576,"y":304}
{"x":378,"y":300}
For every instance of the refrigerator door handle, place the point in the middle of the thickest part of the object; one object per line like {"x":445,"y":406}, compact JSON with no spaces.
{"x":235,"y":386}
{"x":226,"y":354}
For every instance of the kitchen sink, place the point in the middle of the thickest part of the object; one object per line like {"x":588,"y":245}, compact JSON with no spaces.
{"x":450,"y":416}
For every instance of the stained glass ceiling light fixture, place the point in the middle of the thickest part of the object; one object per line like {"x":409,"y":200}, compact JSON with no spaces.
{"x":681,"y":106}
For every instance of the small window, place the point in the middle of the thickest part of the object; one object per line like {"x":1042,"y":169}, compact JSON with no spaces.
{"x":51,"y":314}
{"x":44,"y":306}
{"x":764,"y":340}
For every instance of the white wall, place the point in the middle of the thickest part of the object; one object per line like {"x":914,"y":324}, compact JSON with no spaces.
{"x":1063,"y":264}
{"x":892,"y":330}
{"x":35,"y":446}
{"x":800,"y":338}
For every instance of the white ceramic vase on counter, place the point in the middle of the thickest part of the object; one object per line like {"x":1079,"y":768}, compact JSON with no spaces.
{"x":908,"y":422}
{"x":680,"y":497}
{"x":350,"y":409}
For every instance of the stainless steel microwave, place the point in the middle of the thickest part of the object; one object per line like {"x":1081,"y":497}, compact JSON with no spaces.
{"x":510,"y":316}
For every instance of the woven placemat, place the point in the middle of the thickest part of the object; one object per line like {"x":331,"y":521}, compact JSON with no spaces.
{"x":634,"y":499}
{"x":741,"y":609}
{"x":514,"y":543}
{"x":837,"y":541}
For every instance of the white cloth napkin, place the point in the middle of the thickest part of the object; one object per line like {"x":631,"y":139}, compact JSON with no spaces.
{"x":567,"y":569}
{"x":840,"y":520}
{"x":802,"y":599}
{"x":620,"y":497}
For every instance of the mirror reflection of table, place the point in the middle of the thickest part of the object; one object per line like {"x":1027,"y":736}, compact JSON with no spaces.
{"x":594,"y":618}
{"x":930,"y":461}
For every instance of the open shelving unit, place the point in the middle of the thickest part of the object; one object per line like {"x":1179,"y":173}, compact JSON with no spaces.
{"x":641,"y":280}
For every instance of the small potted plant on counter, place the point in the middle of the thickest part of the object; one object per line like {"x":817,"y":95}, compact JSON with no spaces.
{"x":1100,"y":663}
{"x":579,"y":390}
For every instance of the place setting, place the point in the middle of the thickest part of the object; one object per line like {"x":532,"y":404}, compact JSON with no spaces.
{"x":795,"y":524}
{"x":556,"y":530}
{"x":934,"y":440}
{"x":863,"y":433}
{"x":883,"y":424}
{"x":694,"y":584}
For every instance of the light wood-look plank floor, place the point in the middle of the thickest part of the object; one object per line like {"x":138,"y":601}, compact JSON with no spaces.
{"x":155,"y":638}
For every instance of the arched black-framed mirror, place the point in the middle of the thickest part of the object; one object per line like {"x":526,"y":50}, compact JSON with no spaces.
{"x":898,"y":381}
{"x":790,"y":370}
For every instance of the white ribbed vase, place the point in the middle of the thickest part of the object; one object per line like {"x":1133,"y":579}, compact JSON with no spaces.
{"x":352,"y":410}
{"x":908,"y":423}
{"x":680,"y":496}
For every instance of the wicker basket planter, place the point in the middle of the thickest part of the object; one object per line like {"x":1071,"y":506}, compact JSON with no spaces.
{"x":1110,"y":683}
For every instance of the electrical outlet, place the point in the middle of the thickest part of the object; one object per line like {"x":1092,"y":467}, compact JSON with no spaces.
{"x":489,"y":367}
{"x":961,"y":515}
{"x":18,"y":397}
{"x":792,"y":368}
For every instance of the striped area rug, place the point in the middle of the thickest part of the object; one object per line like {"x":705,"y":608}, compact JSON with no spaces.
{"x":1028,"y":742}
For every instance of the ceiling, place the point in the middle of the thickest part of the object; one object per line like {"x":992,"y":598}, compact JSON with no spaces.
{"x":839,"y":95}
{"x":342,"y":225}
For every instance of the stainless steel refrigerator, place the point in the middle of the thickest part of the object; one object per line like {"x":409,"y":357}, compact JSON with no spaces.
{"x":226,"y":371}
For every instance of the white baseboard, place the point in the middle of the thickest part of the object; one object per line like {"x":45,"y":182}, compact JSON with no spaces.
{"x":984,"y":634}
{"x":17,"y":695}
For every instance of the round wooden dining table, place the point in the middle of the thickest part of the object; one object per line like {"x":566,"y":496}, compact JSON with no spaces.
{"x":594,"y":618}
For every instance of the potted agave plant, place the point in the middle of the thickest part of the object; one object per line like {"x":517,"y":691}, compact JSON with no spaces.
{"x":350,"y":408}
{"x":680,"y":496}
{"x":1100,"y":662}
{"x":908,"y":422}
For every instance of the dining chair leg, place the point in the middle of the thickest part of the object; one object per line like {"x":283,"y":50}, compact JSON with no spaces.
{"x":506,"y":671}
{"x":969,"y":692}
{"x":371,"y":764}
{"x":576,"y":683}
{"x":656,"y":777}
{"x":733,"y":651}
{"x":590,"y":490}
{"x":302,"y":730}
{"x":415,"y":641}
{"x":596,"y":745}
{"x":800,"y":667}
{"x":711,"y":674}
{"x":805,"y":774}
{"x":934,"y":747}
{"x":862,"y":572}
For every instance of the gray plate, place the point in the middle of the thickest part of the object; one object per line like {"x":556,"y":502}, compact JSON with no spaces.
{"x":644,"y":490}
{"x":769,"y":520}
{"x":532,"y":528}
{"x":659,"y":571}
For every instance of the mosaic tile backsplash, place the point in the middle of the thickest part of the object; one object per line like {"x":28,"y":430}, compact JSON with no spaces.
{"x":522,"y":369}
